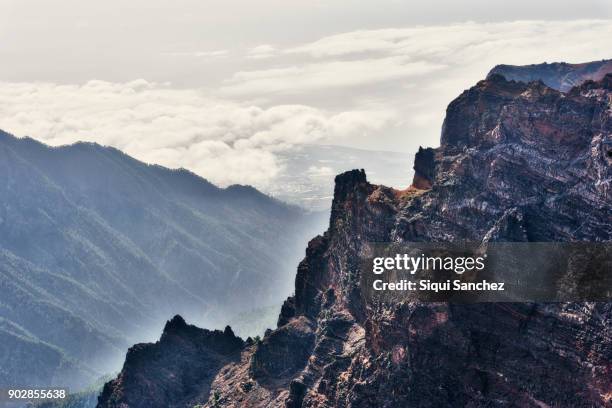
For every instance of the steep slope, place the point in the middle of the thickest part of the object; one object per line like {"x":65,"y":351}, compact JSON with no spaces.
{"x":195,"y":354}
{"x":97,"y":249}
{"x":517,"y":162}
{"x":557,"y":75}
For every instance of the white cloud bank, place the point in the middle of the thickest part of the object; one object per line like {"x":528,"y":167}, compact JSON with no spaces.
{"x":326,"y":75}
{"x":224,"y":141}
{"x":362,"y":57}
{"x":385,"y":89}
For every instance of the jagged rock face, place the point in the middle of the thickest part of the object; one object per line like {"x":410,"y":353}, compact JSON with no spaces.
{"x":517,"y":162}
{"x":557,"y":75}
{"x":531,"y":150}
{"x":173,"y":372}
{"x":282,"y":353}
{"x":424,"y":168}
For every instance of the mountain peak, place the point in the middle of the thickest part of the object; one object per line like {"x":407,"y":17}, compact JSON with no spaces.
{"x":561,"y":76}
{"x":176,"y":324}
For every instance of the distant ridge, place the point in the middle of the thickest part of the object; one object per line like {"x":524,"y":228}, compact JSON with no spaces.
{"x":561,"y":76}
{"x":98,"y":248}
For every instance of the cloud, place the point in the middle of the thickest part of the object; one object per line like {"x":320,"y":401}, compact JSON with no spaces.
{"x":320,"y":172}
{"x":320,"y":76}
{"x":450,"y":41}
{"x":422,"y":54}
{"x":384,"y":89}
{"x":224,"y":141}
{"x":199,"y":54}
{"x":261,"y":52}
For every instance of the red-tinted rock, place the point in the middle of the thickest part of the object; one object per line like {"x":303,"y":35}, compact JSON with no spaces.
{"x":517,"y":162}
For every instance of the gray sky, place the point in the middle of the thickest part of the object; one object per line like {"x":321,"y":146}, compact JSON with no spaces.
{"x":220,"y":87}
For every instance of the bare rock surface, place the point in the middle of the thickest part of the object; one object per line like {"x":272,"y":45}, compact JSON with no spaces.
{"x":518,"y":162}
{"x":557,"y":75}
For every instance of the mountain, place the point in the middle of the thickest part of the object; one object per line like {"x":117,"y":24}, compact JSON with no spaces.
{"x":186,"y":357}
{"x":97,"y":249}
{"x":557,"y":75}
{"x":309,"y":170}
{"x":518,"y":162}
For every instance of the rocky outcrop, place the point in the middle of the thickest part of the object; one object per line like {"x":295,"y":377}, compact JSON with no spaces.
{"x":284,"y":352}
{"x":517,"y":162}
{"x":557,"y":75}
{"x":424,"y":168}
{"x":173,"y":372}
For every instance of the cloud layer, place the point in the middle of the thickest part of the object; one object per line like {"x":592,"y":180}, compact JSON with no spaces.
{"x":407,"y":55}
{"x":385,"y":89}
{"x":224,"y":141}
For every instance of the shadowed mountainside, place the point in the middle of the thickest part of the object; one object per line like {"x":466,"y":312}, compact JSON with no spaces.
{"x":97,"y":249}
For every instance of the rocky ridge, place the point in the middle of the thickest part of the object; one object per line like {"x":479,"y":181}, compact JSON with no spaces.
{"x":517,"y":162}
{"x":183,"y":362}
{"x":557,"y":75}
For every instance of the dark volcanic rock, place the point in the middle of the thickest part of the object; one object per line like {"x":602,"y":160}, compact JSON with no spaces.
{"x":517,"y":162}
{"x":285,"y":351}
{"x":173,"y":372}
{"x":558,"y":75}
{"x":424,"y":168}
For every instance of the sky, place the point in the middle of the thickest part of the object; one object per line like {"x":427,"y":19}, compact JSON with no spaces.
{"x":224,"y":87}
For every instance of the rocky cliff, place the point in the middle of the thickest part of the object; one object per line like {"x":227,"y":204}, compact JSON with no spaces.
{"x":182,"y":363}
{"x":517,"y":162}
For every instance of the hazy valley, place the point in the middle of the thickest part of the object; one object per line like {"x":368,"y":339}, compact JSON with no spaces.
{"x":97,"y":249}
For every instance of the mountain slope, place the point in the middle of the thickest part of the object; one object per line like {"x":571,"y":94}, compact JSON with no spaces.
{"x":96,"y":249}
{"x":517,"y":162}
